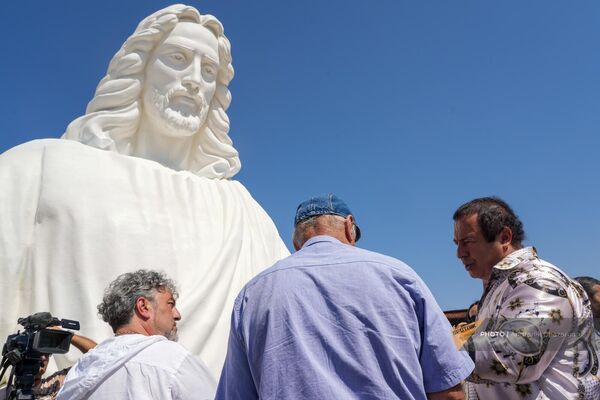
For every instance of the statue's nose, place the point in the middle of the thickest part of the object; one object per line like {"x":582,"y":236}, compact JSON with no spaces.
{"x":191,"y":86}
{"x":193,"y":79}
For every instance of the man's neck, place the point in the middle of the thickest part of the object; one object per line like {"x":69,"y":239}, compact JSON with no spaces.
{"x":130,"y":329}
{"x":326,"y":232}
{"x":510,"y":249}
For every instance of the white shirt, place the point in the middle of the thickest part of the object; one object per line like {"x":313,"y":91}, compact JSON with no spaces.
{"x":138,"y":367}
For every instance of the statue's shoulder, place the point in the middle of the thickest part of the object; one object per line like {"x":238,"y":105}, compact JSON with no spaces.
{"x":21,"y":171}
{"x":30,"y":148}
{"x":29,"y":151}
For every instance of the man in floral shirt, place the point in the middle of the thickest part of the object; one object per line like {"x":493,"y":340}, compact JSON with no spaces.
{"x":534,"y":338}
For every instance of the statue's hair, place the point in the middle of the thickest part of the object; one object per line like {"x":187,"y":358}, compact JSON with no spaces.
{"x":112,"y":117}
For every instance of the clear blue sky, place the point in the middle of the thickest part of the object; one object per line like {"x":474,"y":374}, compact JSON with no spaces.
{"x":405,"y":109}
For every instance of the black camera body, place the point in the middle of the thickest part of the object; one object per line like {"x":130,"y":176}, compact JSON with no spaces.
{"x":24,"y":351}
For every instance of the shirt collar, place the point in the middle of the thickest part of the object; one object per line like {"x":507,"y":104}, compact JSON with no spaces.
{"x":320,"y":238}
{"x":517,"y":257}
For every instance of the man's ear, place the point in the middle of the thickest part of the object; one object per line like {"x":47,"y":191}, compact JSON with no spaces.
{"x":349,"y":230}
{"x":506,"y":236}
{"x":143,"y":308}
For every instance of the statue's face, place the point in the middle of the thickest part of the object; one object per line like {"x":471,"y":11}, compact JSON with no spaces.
{"x":181,"y":79}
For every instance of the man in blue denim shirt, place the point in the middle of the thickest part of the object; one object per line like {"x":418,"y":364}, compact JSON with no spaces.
{"x":333,"y":321}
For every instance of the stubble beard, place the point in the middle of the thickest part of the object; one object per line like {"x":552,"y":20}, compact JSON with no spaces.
{"x":172,"y":335}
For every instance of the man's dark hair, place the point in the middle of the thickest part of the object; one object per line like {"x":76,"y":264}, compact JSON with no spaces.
{"x":472,"y":318}
{"x":588,"y":284}
{"x":493,"y":214}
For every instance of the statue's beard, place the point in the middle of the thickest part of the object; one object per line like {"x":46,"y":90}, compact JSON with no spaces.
{"x":181,"y":110}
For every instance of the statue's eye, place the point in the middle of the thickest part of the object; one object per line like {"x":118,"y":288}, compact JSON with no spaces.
{"x":177,"y":57}
{"x":209,"y":71}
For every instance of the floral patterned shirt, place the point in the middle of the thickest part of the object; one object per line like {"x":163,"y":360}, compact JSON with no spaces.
{"x":50,"y":386}
{"x":535,"y":340}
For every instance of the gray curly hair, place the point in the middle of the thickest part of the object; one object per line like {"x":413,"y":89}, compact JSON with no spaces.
{"x":119,"y":299}
{"x":112,"y":117}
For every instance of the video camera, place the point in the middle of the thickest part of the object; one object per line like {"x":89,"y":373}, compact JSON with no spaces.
{"x":24,"y":351}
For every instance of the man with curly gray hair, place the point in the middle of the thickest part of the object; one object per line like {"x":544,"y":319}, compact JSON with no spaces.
{"x":120,"y":303}
{"x":139,"y":361}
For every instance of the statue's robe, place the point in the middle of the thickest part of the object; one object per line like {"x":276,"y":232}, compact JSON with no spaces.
{"x":73,"y":217}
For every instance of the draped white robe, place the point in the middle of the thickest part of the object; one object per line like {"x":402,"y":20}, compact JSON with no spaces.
{"x":73,"y":217}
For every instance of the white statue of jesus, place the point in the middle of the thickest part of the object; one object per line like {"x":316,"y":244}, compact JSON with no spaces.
{"x":142,"y":182}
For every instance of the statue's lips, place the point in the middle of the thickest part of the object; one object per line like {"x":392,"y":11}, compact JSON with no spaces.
{"x":185,"y":103}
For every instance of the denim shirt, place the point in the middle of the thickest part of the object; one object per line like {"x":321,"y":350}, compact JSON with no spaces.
{"x":333,"y":321}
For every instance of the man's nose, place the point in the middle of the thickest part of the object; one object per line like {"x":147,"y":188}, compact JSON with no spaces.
{"x":176,"y":314}
{"x":460,"y":251}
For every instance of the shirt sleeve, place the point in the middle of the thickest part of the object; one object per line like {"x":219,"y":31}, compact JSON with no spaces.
{"x":236,"y":380}
{"x":442,"y":364}
{"x":193,"y":380}
{"x":519,"y":344}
